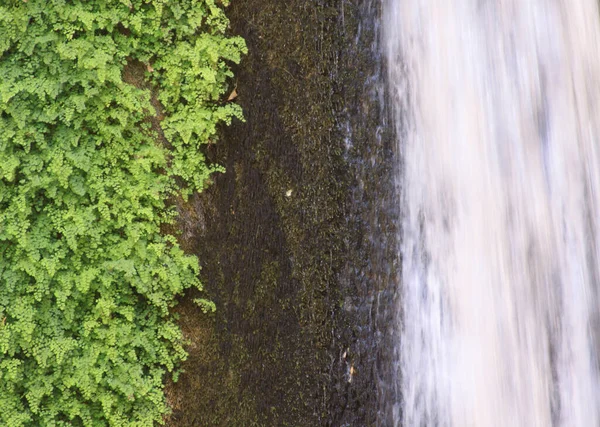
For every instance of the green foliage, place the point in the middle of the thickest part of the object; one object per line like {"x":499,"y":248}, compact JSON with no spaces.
{"x":86,"y":277}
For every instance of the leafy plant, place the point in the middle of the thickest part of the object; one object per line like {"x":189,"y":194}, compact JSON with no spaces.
{"x":91,"y":150}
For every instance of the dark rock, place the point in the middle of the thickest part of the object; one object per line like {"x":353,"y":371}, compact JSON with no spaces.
{"x":303,"y":281}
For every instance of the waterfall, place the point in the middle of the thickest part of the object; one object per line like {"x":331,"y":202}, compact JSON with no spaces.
{"x":497,"y":110}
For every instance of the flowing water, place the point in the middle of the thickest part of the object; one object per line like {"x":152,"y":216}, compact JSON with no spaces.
{"x":498,"y":121}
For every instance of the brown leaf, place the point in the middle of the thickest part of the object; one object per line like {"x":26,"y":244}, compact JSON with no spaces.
{"x":232,"y":95}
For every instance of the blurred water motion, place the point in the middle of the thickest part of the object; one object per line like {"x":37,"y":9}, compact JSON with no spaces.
{"x":498,"y":120}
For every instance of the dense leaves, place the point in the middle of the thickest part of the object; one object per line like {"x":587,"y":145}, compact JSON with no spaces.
{"x":88,"y":160}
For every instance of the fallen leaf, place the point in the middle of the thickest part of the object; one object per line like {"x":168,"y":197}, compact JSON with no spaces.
{"x":232,"y":95}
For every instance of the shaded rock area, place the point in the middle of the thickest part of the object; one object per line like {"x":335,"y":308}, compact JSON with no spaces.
{"x":296,"y":239}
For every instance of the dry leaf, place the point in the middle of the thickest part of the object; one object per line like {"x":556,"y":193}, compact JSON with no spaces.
{"x":232,"y":95}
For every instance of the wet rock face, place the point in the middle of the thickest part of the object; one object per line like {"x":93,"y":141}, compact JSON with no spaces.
{"x":285,"y":236}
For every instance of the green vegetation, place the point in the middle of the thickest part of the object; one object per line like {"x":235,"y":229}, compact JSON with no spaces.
{"x":104,"y":107}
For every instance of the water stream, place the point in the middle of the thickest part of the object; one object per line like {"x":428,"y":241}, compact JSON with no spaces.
{"x":498,"y":121}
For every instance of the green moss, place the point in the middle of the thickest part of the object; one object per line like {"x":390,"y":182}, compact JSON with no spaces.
{"x":104,"y":108}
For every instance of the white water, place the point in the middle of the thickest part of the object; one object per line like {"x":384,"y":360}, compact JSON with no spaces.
{"x":497,"y":106}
